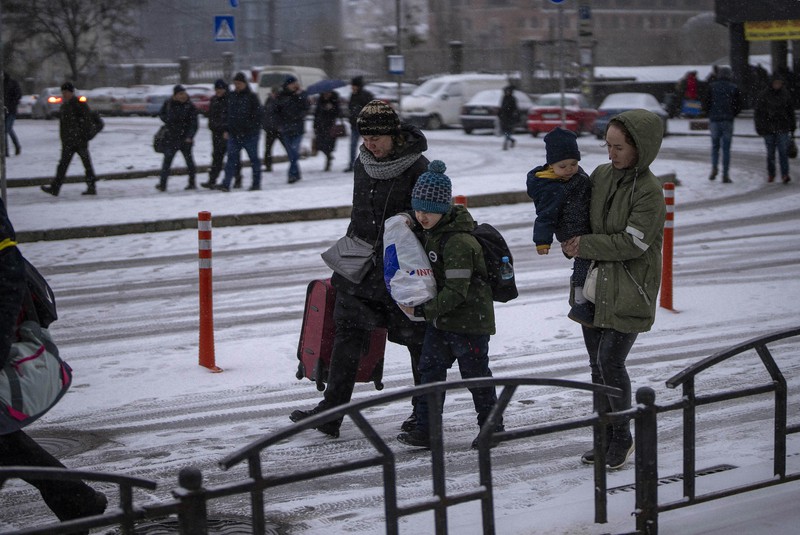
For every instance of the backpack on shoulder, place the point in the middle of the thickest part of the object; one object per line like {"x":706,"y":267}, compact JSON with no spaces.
{"x":96,"y":125}
{"x":494,"y":249}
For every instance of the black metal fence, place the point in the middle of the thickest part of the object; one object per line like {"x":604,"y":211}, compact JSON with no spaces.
{"x":191,"y":498}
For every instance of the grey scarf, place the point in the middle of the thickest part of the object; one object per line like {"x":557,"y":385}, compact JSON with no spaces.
{"x":386,"y":170}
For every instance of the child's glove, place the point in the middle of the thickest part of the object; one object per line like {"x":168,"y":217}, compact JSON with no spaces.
{"x":543,"y":249}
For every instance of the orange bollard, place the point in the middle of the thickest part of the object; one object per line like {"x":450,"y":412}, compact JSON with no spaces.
{"x":460,"y":199}
{"x":206,"y":306}
{"x":666,"y":251}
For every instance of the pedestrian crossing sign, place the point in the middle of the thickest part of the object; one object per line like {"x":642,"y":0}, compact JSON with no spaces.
{"x":224,"y":29}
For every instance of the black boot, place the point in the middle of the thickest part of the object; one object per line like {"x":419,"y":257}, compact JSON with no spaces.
{"x":212,"y":181}
{"x":328,"y":162}
{"x":620,"y":447}
{"x":329,"y":428}
{"x":52,"y":190}
{"x":90,"y":190}
{"x":237,"y":182}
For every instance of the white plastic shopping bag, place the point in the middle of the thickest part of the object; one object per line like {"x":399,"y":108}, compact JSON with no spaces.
{"x":406,"y":268}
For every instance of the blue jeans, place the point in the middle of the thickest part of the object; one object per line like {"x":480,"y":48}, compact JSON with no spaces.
{"x":10,"y":118}
{"x":721,"y":135}
{"x":780,"y":141}
{"x":235,"y":146}
{"x":292,"y":144}
{"x":355,"y":137}
{"x":439,"y":350}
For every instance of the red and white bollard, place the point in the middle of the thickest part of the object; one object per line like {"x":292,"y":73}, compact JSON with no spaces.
{"x":666,"y":251}
{"x":206,"y":353}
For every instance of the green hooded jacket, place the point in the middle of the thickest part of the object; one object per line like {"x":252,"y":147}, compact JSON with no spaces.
{"x":463,"y":303}
{"x":627,"y":219}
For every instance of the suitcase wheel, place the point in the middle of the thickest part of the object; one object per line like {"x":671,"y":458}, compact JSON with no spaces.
{"x":378,"y":385}
{"x":319,"y":369}
{"x":301,"y":370}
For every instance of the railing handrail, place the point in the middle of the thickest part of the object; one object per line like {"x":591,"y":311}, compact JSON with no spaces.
{"x":720,"y":356}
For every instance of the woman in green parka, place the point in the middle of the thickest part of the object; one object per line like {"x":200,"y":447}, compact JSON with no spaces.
{"x":627,"y":220}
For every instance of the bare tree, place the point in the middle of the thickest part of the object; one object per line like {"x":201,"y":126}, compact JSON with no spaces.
{"x":83,"y":32}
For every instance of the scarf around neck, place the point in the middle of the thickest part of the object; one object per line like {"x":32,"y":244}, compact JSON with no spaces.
{"x":386,"y":170}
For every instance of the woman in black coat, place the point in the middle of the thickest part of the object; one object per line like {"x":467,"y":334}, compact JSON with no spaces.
{"x":325,"y":116}
{"x":180,"y":118}
{"x":389,"y":163}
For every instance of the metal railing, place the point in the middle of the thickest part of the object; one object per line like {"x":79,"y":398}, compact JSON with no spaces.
{"x":191,"y":499}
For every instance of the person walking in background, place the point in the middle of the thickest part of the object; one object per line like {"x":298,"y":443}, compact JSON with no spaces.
{"x":688,"y":90}
{"x":291,"y":109}
{"x":561,"y":193}
{"x":11,"y":97}
{"x":75,"y":126}
{"x":775,"y":122}
{"x":217,"y":123}
{"x":244,"y":127}
{"x":180,"y":117}
{"x":67,"y":499}
{"x":460,"y":319}
{"x":627,"y":219}
{"x":359,"y":98}
{"x":722,"y":104}
{"x":508,"y":116}
{"x":271,"y":127}
{"x":384,"y":175}
{"x":325,"y":117}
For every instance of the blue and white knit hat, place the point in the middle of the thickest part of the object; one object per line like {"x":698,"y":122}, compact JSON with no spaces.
{"x":433,"y":192}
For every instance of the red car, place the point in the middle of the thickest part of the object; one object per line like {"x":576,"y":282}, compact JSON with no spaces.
{"x":545,"y":114}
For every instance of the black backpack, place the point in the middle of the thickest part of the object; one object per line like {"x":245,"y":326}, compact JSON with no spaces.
{"x":494,"y":249}
{"x":96,"y":125}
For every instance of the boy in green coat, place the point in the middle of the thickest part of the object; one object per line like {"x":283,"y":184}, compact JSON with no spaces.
{"x":461,"y":316}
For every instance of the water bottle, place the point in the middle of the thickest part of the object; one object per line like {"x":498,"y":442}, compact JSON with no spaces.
{"x":506,"y":269}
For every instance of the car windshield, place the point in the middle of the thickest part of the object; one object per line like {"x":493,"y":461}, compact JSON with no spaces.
{"x":630,"y":101}
{"x":428,"y":89}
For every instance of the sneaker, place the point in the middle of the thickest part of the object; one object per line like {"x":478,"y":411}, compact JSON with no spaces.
{"x":254,"y":188}
{"x":50,"y":189}
{"x":582,"y":313}
{"x":492,"y":443}
{"x":410,"y":423}
{"x":713,"y":174}
{"x":190,"y":187}
{"x":208,"y":185}
{"x":89,"y":191}
{"x":618,"y":453}
{"x":160,"y":187}
{"x":726,"y":180}
{"x":328,"y":428}
{"x":416,"y":438}
{"x":220,"y":187}
{"x":786,"y":179}
{"x":293,"y":179}
{"x":588,"y":457}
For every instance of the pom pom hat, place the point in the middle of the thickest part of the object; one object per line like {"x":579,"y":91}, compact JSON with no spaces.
{"x":560,"y":145}
{"x":378,"y":119}
{"x":433,"y":192}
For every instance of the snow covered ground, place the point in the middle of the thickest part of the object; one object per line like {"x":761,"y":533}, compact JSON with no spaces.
{"x":736,"y":256}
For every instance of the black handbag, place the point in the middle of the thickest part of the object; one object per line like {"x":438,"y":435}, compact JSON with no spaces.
{"x":791,"y":150}
{"x":160,"y":140}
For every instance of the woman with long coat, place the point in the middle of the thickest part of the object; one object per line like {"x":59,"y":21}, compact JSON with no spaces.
{"x":325,"y":116}
{"x":627,"y":215}
{"x":390,"y":161}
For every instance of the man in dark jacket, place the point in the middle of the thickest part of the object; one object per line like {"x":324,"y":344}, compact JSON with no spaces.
{"x":359,"y":98}
{"x":244,"y":126}
{"x":75,"y":126}
{"x":291,"y":109}
{"x":271,"y":127}
{"x":67,"y":499}
{"x":775,"y":121}
{"x":11,"y":97}
{"x":180,"y":118}
{"x":722,"y":104}
{"x":218,"y":124}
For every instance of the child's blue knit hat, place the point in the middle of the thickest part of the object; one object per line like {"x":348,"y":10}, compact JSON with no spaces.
{"x":433,"y":192}
{"x":560,"y":145}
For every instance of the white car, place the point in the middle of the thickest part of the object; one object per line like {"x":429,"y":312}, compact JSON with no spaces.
{"x":25,"y":106}
{"x":616,"y":103}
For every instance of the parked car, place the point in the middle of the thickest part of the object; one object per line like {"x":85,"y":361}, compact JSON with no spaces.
{"x":616,"y":103}
{"x":387,"y":91}
{"x":134,"y":101}
{"x":48,"y":103}
{"x":107,"y":100}
{"x":155,"y":97}
{"x":25,"y":106}
{"x":545,"y":114}
{"x":481,"y":110}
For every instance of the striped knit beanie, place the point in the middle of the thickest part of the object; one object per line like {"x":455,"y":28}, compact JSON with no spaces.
{"x":433,"y":192}
{"x":378,"y":119}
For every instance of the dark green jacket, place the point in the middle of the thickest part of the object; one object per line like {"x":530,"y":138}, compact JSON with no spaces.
{"x":463,"y":303}
{"x":627,"y":219}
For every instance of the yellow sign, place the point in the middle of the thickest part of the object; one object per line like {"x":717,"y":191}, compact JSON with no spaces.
{"x":772,"y":30}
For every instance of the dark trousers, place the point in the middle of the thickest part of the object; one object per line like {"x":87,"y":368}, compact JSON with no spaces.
{"x":270,"y":137}
{"x":67,"y":152}
{"x":608,"y":349}
{"x":219,"y":146}
{"x":10,"y":118}
{"x":67,"y":499}
{"x":169,"y":154}
{"x":439,"y":351}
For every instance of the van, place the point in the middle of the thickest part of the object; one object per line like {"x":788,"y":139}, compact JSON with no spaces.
{"x":437,"y":102}
{"x":274,"y":75}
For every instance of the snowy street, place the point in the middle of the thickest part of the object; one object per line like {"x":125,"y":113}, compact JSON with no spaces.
{"x":140,"y":405}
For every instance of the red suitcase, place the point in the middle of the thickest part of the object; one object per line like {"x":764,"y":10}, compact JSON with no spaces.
{"x":316,"y":340}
